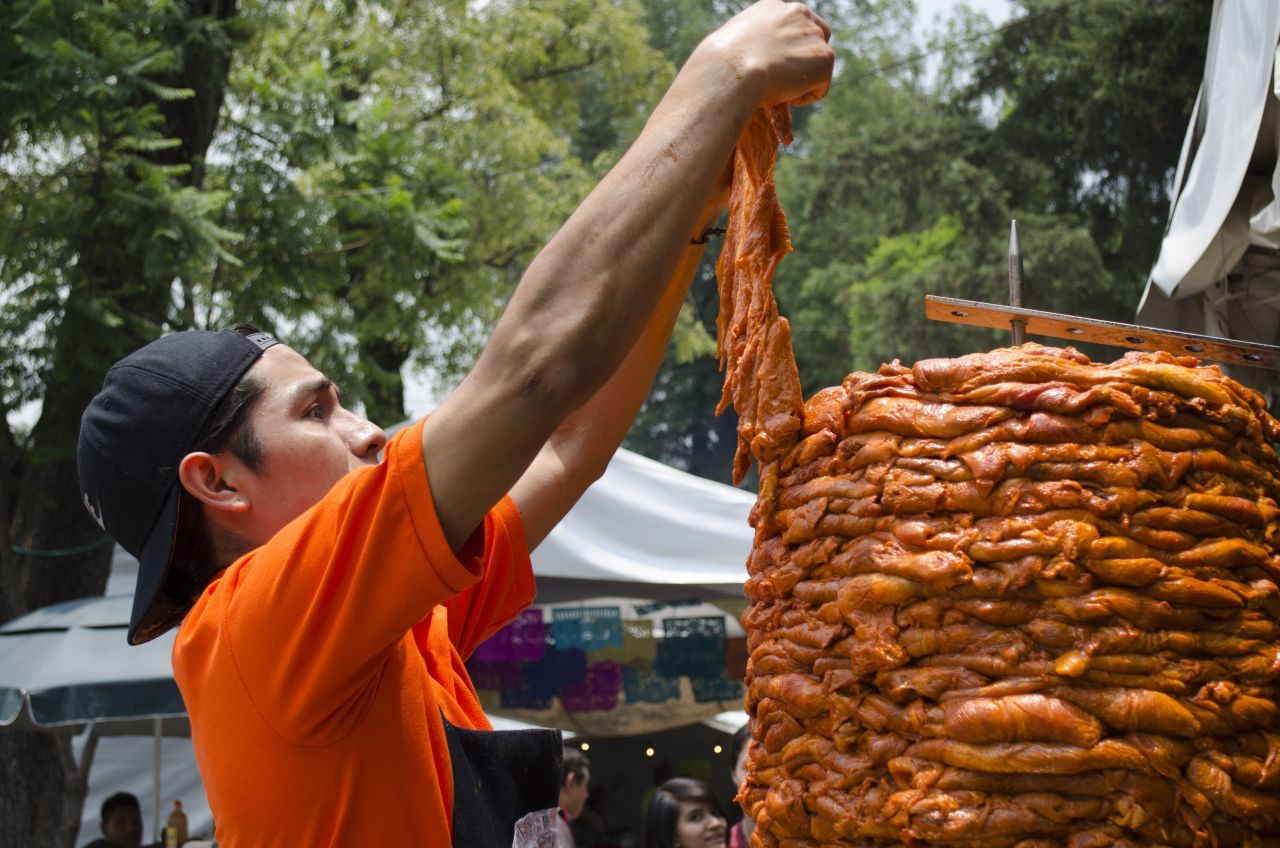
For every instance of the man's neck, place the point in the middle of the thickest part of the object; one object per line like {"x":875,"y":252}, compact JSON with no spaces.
{"x":228,"y":545}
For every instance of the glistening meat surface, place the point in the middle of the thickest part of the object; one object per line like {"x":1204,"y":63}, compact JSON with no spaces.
{"x":1015,"y":598}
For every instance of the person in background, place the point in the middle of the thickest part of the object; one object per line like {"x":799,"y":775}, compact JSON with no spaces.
{"x":684,"y":813}
{"x":589,"y":829}
{"x":740,"y":833}
{"x":121,"y":823}
{"x":575,"y":778}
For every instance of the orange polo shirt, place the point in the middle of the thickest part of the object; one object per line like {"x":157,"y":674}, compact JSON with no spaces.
{"x":316,"y":668}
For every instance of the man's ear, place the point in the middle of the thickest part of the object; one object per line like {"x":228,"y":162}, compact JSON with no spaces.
{"x":205,"y":477}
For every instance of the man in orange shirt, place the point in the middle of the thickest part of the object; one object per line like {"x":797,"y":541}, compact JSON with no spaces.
{"x":327,"y":599}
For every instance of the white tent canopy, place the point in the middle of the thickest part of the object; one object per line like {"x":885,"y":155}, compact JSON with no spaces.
{"x":1218,"y":271}
{"x":647,"y":530}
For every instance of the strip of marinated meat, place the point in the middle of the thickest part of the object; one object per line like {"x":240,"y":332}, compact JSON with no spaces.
{"x":754,"y":342}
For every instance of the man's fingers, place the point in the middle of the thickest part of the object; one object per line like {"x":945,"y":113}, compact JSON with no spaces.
{"x":811,"y":97}
{"x":813,"y":16}
{"x":828,"y":59}
{"x":818,"y":19}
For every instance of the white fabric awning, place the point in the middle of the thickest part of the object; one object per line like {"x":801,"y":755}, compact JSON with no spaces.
{"x":1225,"y":188}
{"x":648,"y":530}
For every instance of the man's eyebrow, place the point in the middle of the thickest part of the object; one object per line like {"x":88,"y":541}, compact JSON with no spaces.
{"x":318,"y":386}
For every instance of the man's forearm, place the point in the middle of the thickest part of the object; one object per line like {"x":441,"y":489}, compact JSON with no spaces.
{"x":595,"y":430}
{"x":580,"y":448}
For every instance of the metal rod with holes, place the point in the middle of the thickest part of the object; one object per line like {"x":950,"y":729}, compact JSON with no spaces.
{"x":1017,"y":325}
{"x":1131,"y":336}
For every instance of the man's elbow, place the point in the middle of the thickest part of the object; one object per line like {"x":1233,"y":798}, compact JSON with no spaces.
{"x":582,"y":460}
{"x":594,"y":467}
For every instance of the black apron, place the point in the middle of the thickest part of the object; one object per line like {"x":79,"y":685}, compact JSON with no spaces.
{"x":499,"y":776}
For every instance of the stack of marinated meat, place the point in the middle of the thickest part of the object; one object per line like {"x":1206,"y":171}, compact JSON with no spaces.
{"x":1009,"y":599}
{"x":1020,"y":596}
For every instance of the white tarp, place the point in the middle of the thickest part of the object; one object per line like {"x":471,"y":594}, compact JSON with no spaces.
{"x":647,"y":530}
{"x":1225,"y":187}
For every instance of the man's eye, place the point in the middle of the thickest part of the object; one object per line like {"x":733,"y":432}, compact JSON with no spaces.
{"x":315,"y":411}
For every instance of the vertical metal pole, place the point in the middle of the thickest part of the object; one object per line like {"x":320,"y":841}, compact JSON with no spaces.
{"x":1018,"y":326}
{"x":155,"y":820}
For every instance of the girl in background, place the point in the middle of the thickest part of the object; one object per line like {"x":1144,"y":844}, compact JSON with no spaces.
{"x":684,"y":814}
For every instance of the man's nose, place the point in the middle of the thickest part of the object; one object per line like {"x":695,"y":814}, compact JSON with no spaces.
{"x":365,"y":439}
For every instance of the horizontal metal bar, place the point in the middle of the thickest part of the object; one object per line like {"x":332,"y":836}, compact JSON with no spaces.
{"x":1075,"y":328}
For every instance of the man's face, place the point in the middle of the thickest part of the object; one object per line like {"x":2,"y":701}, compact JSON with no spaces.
{"x":573,"y":795}
{"x":309,"y":442}
{"x":122,"y":828}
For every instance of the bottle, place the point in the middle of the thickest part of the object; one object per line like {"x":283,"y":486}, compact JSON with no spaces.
{"x":175,"y":832}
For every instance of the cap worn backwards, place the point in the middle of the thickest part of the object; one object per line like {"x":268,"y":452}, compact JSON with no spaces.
{"x":154,"y":404}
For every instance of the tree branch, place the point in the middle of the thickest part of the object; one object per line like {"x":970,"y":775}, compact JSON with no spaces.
{"x":540,"y":74}
{"x":342,"y":248}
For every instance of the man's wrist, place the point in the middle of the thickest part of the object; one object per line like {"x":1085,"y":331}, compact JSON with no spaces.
{"x":716,"y":62}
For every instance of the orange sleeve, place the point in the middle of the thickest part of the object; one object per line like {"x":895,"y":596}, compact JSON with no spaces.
{"x":506,"y":588}
{"x":315,"y":611}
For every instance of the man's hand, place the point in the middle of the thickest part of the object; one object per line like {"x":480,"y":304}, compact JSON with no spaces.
{"x":781,"y":48}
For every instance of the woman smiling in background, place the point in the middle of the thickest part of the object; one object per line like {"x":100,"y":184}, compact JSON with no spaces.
{"x":684,"y":814}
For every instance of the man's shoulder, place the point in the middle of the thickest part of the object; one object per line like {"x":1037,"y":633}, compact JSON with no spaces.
{"x":198,"y":633}
{"x":97,"y":843}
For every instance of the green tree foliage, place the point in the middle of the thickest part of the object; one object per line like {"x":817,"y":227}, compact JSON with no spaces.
{"x":1098,"y":95}
{"x":395,"y":165}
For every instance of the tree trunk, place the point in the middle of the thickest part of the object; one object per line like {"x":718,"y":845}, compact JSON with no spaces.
{"x":56,"y":551}
{"x":386,"y":401}
{"x":44,"y":789}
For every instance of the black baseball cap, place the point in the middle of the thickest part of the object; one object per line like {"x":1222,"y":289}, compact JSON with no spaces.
{"x":153,"y":406}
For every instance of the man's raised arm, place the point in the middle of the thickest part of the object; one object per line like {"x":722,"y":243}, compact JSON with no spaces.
{"x":588,"y":296}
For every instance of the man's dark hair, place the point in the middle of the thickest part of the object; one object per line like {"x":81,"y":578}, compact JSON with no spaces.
{"x":119,"y":801}
{"x":664,"y":809}
{"x":575,"y":763}
{"x":740,"y":740}
{"x":229,"y":429}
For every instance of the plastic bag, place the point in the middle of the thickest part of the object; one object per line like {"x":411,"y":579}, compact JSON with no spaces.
{"x":540,"y":830}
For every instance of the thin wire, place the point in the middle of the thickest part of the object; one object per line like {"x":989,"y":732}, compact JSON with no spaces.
{"x":60,"y":552}
{"x":882,"y":69}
